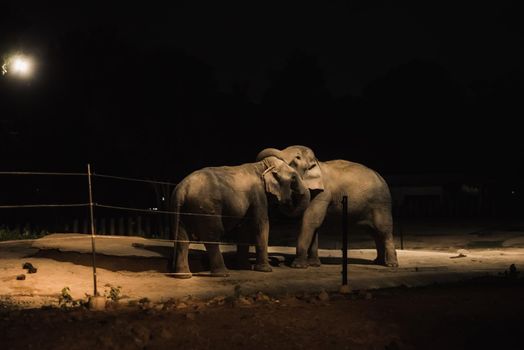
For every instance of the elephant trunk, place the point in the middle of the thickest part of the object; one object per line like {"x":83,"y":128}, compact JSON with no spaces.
{"x":301,"y":198}
{"x":270,"y":152}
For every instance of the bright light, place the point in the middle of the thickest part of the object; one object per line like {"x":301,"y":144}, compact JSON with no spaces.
{"x":21,"y":66}
{"x":18,"y":65}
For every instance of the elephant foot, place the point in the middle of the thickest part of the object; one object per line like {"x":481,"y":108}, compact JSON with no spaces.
{"x":299,"y":264}
{"x":314,"y":261}
{"x":383,"y":262}
{"x":181,"y":275}
{"x":263,"y":267}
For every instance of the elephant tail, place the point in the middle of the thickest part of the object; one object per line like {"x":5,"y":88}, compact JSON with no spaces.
{"x":177,"y":203}
{"x":176,"y":232}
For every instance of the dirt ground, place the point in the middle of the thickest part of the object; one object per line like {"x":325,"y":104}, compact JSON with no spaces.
{"x":442,"y":296}
{"x":483,"y":313}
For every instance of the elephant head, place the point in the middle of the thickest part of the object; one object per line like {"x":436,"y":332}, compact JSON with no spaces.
{"x":303,"y":160}
{"x":284,"y":182}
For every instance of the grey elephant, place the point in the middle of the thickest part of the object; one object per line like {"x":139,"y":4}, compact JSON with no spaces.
{"x":368,"y":196}
{"x":216,"y":200}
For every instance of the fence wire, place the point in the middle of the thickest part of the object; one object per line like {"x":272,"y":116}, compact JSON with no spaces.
{"x":43,"y":206}
{"x":87,"y":236}
{"x":133,"y":179}
{"x":40,"y":173}
{"x":123,"y":208}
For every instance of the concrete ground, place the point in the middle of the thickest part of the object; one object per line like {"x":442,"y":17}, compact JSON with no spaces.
{"x":137,"y":267}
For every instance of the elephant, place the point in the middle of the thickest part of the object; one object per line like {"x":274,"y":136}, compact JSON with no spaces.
{"x":213,"y":201}
{"x":368,"y":196}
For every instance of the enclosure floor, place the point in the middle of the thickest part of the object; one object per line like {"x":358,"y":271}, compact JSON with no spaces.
{"x":138,"y":267}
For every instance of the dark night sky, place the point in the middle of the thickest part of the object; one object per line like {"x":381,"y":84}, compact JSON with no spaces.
{"x":151,"y":90}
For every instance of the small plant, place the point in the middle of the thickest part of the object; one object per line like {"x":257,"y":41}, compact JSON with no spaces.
{"x":66,"y":300}
{"x":237,"y":291}
{"x":114,"y":293}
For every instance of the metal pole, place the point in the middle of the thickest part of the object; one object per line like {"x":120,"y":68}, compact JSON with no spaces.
{"x":401,"y":236}
{"x":344,"y":240}
{"x":92,"y":220}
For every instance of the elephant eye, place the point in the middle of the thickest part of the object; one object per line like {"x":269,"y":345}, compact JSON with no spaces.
{"x":298,"y":157}
{"x":312,"y":166}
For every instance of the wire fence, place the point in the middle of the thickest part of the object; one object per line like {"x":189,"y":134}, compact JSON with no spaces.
{"x":120,"y":225}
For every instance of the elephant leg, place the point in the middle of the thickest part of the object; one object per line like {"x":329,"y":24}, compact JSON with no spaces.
{"x":181,"y":261}
{"x":311,"y":221}
{"x":312,"y":254}
{"x":216,"y":260}
{"x":383,"y":235}
{"x":262,"y":262}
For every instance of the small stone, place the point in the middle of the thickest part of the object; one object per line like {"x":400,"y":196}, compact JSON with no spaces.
{"x":31,"y":270}
{"x":20,"y":277}
{"x":261,"y":297}
{"x":97,"y":303}
{"x":27,"y":265}
{"x":141,"y":332}
{"x":191,"y":316}
{"x":218,"y":300}
{"x":166,"y":334}
{"x":323,"y":296}
{"x":344,"y":289}
{"x":243,"y":301}
{"x":181,"y":305}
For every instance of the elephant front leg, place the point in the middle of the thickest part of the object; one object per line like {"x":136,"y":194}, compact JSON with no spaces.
{"x":312,"y":256}
{"x":262,"y":262}
{"x":311,"y":221}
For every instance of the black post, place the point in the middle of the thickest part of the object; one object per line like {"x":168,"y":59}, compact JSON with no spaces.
{"x":344,"y":240}
{"x":401,"y":236}
{"x":92,"y":220}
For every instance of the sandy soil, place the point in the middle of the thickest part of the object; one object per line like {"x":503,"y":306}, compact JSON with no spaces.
{"x":137,"y":266}
{"x":287,"y":308}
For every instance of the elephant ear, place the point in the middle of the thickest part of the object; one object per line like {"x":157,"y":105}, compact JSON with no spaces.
{"x":270,"y":180}
{"x":313,"y":177}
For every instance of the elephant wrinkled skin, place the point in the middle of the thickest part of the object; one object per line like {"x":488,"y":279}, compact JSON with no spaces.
{"x":216,"y":200}
{"x":368,"y":196}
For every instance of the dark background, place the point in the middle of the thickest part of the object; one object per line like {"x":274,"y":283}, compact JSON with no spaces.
{"x":421,"y":89}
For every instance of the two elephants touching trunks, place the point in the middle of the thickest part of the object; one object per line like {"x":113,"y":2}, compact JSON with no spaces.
{"x":213,"y":201}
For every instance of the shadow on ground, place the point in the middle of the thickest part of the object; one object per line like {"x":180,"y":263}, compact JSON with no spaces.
{"x":198,"y":259}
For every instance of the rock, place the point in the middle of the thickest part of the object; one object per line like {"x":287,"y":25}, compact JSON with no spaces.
{"x":32,"y":270}
{"x":166,"y":334}
{"x":463,"y":252}
{"x":181,"y":305}
{"x":261,"y":297}
{"x":97,"y":303}
{"x":323,"y":296}
{"x":141,"y":332}
{"x":243,"y":301}
{"x":344,"y":289}
{"x":20,"y":277}
{"x":218,"y":300}
{"x":27,"y":265}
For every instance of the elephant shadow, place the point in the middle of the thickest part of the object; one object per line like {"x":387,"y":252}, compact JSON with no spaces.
{"x":278,"y":258}
{"x":199,"y":260}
